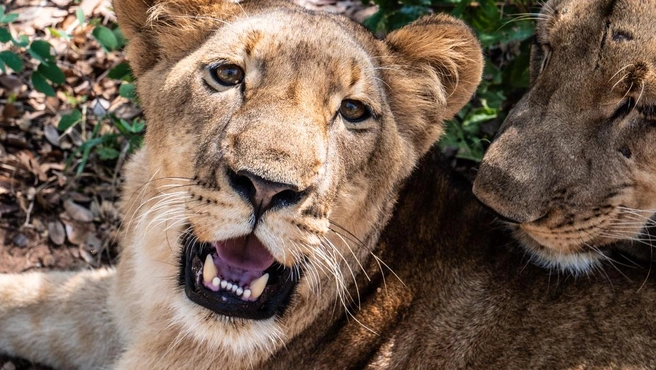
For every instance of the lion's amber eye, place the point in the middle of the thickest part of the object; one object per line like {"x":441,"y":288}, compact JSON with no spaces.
{"x":227,"y":74}
{"x":354,"y":111}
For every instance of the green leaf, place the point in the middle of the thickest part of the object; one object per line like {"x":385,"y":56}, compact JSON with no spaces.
{"x":12,"y":60}
{"x":122,"y":71}
{"x":460,"y":8}
{"x":138,"y":126}
{"x":85,"y":157}
{"x":127,"y":90}
{"x":52,"y":72}
{"x":473,"y":121}
{"x":8,"y":18}
{"x":79,"y":14}
{"x":5,"y":36}
{"x":69,"y":120}
{"x":22,"y":41}
{"x":58,"y":33}
{"x":120,"y":39}
{"x":105,"y":38}
{"x":41,"y":85}
{"x":107,"y":153}
{"x":121,"y":125}
{"x":40,"y":50}
{"x":520,"y":31}
{"x":135,"y":143}
{"x":376,"y":22}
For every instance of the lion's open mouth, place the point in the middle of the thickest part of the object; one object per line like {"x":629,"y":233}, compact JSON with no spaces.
{"x":236,"y":277}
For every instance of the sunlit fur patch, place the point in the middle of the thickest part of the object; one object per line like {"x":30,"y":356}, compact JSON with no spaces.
{"x":161,"y":222}
{"x":222,"y":333}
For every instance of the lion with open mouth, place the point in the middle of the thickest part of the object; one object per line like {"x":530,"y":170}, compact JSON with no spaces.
{"x":276,"y":144}
{"x":272,"y":220}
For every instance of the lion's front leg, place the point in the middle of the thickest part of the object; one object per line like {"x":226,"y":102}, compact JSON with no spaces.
{"x":59,"y":319}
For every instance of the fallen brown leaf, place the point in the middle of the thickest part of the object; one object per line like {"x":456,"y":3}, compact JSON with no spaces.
{"x":77,"y":212}
{"x":52,"y":135}
{"x":56,"y":232}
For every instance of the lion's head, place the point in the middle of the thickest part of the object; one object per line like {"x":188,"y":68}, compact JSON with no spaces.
{"x":573,"y":168}
{"x":277,"y":140}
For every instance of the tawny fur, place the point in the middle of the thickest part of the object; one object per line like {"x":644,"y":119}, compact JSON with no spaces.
{"x":573,"y":166}
{"x":282,"y":125}
{"x":443,"y":291}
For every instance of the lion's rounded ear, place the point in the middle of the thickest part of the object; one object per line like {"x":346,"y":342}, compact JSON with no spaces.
{"x":158,"y":28}
{"x":433,"y":67}
{"x":448,"y":47}
{"x":133,"y":19}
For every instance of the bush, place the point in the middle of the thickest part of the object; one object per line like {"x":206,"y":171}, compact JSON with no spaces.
{"x":34,"y":58}
{"x":505,"y":31}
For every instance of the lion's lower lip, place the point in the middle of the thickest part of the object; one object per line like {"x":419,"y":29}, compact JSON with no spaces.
{"x":213,"y":292}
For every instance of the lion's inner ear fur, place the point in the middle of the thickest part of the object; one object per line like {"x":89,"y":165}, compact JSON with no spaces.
{"x":133,"y":17}
{"x":168,"y":28}
{"x":445,"y":50}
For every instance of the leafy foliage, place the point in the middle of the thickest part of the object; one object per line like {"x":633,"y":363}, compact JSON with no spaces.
{"x":47,"y":72}
{"x":505,"y":37}
{"x":47,"y":75}
{"x":107,"y":146}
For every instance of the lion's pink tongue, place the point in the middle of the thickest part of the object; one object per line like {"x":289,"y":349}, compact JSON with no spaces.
{"x":246,"y":253}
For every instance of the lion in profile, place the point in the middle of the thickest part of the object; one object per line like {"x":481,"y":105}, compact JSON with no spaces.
{"x":573,"y":169}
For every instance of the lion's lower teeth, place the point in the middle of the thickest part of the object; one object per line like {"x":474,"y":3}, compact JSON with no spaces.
{"x":210,"y":278}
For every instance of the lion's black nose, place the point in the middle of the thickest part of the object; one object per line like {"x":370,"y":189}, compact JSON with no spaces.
{"x":263,"y":194}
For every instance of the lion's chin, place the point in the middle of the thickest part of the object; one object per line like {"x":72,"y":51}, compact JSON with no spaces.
{"x":236,"y":278}
{"x":577,"y":259}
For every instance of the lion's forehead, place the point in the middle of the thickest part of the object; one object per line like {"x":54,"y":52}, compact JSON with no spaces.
{"x":275,"y":38}
{"x":617,"y":38}
{"x":315,"y":70}
{"x":577,"y":21}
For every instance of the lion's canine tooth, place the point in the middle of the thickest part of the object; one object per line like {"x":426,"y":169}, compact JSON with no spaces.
{"x":258,"y":285}
{"x":247,"y":293}
{"x":209,"y":270}
{"x":216,"y":282}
